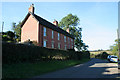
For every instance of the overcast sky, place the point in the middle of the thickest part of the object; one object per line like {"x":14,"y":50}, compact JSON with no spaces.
{"x":99,"y":20}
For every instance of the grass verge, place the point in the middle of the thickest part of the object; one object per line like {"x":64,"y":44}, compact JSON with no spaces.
{"x":28,"y":70}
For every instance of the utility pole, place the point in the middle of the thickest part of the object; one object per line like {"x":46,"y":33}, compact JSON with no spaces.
{"x":2,"y":26}
{"x":118,"y":31}
{"x":118,"y":48}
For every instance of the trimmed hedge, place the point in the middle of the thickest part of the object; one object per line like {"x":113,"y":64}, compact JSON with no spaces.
{"x":15,"y":53}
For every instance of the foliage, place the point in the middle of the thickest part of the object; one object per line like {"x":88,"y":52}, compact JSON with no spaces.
{"x":114,"y":48}
{"x":102,"y":55}
{"x":11,"y":35}
{"x":8,"y":36}
{"x":71,"y":21}
{"x":85,"y":47}
{"x":15,"y":53}
{"x":4,"y":37}
{"x":35,"y":43}
{"x":17,"y":30}
{"x":28,"y":42}
{"x":77,"y":34}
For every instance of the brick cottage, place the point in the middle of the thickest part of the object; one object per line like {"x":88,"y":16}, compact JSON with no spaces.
{"x":46,"y":34}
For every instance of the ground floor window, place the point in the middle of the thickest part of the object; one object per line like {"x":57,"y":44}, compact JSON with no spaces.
{"x":72,"y":47}
{"x":58,"y":45}
{"x":52,"y":44}
{"x":69,"y":46}
{"x":65,"y":47}
{"x":45,"y":43}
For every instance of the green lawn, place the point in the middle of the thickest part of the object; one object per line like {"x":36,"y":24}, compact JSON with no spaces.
{"x":27,"y":70}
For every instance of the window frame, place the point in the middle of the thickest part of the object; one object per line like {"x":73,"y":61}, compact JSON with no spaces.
{"x":52,"y":34}
{"x":64,"y":38}
{"x":44,"y":31}
{"x":52,"y":44}
{"x":45,"y":45}
{"x":59,"y":46}
{"x":58,"y":36}
{"x":65,"y":47}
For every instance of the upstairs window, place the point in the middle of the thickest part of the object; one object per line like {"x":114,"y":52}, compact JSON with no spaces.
{"x":52,"y":34}
{"x":64,"y":38}
{"x":58,"y":36}
{"x":44,"y":31}
{"x":68,"y":40}
{"x":71,"y":40}
{"x":72,"y":43}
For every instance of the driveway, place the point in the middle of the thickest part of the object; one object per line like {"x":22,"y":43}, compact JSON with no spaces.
{"x":95,"y":68}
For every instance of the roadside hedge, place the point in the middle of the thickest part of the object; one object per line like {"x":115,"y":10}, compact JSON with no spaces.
{"x":15,"y":53}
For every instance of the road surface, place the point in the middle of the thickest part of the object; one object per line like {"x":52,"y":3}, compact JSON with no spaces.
{"x":95,"y":68}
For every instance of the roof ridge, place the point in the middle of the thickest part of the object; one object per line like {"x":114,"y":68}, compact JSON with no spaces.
{"x":52,"y":26}
{"x":47,"y":24}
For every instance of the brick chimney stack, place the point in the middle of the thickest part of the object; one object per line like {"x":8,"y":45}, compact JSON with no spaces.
{"x":55,"y":22}
{"x":31,"y":8}
{"x":68,"y":30}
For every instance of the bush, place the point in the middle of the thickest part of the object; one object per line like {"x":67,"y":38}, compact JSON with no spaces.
{"x":103,"y":55}
{"x":35,"y":43}
{"x":14,"y":53}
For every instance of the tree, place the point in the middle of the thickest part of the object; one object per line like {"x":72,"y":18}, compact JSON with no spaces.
{"x":85,"y":47}
{"x":114,"y":48}
{"x":8,"y":36}
{"x":17,"y":31}
{"x":71,"y":21}
{"x":78,"y":42}
{"x":11,"y":35}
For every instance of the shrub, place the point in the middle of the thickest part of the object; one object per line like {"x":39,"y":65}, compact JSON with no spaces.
{"x":14,"y":53}
{"x":102,"y":55}
{"x":35,"y":43}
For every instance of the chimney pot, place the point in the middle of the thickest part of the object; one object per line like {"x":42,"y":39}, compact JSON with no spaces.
{"x":31,"y":8}
{"x":55,"y":23}
{"x":68,"y":30}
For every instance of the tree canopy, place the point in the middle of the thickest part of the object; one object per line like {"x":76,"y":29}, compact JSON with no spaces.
{"x":72,"y":21}
{"x":69,"y":21}
{"x":8,"y":36}
{"x":12,"y":36}
{"x":114,"y":48}
{"x":17,"y":30}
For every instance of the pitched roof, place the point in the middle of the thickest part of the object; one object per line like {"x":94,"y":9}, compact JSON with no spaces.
{"x":47,"y":24}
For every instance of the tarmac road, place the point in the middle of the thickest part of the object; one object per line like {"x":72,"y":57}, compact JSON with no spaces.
{"x":95,"y":68}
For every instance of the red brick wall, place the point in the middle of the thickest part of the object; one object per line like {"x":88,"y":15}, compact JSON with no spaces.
{"x":30,"y":30}
{"x":55,"y":39}
{"x":62,"y":41}
{"x":34,"y":31}
{"x":40,"y":35}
